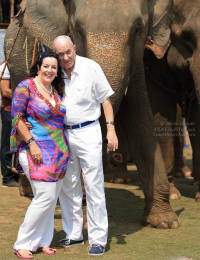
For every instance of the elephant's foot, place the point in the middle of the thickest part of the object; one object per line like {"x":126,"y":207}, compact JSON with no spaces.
{"x":120,"y":176}
{"x":117,"y":170}
{"x":24,"y":186}
{"x":161,"y":216}
{"x":174,"y":193}
{"x":197,"y":198}
{"x":186,"y":171}
{"x":181,"y":172}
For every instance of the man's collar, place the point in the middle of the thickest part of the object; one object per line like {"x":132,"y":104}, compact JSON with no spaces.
{"x":76,"y":65}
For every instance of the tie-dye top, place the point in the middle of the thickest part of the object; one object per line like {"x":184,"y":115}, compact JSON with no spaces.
{"x":47,"y":122}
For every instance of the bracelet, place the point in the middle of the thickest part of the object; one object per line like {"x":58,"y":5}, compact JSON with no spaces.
{"x":30,"y":140}
{"x":111,"y":122}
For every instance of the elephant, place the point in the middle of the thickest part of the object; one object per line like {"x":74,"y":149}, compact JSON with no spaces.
{"x":113,"y":33}
{"x":172,"y":77}
{"x":180,"y":168}
{"x":117,"y":166}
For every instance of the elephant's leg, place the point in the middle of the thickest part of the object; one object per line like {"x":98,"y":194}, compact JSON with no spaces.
{"x":165,"y":133}
{"x":163,"y":106}
{"x":138,"y":122}
{"x":180,"y":169}
{"x":194,"y":133}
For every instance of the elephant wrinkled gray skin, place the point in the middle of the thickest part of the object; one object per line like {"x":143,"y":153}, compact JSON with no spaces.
{"x":174,"y":78}
{"x":113,"y":33}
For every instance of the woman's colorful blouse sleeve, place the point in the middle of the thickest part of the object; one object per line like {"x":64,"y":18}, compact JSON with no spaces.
{"x":19,"y":105}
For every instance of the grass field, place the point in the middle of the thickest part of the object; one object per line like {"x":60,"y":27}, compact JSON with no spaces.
{"x":127,"y":239}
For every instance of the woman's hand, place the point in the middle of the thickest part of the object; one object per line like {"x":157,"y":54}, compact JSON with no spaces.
{"x":35,"y":152}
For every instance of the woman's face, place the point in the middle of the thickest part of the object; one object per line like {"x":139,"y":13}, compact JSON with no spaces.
{"x":48,"y":70}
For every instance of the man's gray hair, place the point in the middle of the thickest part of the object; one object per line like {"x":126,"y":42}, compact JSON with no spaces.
{"x":61,"y":37}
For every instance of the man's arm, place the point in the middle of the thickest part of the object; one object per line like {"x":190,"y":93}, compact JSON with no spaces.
{"x":5,"y":88}
{"x":111,"y":134}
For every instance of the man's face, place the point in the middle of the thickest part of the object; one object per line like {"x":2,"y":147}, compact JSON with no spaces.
{"x":66,"y":53}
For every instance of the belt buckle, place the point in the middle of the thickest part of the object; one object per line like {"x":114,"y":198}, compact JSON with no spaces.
{"x":70,"y":127}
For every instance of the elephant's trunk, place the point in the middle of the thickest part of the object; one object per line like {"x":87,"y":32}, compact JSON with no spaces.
{"x":110,"y":51}
{"x":195,"y":71}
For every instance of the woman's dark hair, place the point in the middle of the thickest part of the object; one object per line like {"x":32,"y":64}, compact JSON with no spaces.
{"x":58,"y":82}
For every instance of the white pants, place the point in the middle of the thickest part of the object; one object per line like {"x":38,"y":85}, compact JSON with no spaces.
{"x":85,"y":149}
{"x":38,"y":226}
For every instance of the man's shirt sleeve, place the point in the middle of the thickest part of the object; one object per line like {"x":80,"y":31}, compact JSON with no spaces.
{"x":103,"y":89}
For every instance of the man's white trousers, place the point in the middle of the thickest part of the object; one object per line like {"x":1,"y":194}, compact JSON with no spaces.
{"x":38,"y":226}
{"x":85,"y":152}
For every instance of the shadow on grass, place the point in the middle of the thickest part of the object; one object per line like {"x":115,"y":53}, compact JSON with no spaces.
{"x":125,"y":211}
{"x":178,"y":212}
{"x":184,"y":185}
{"x":125,"y":206}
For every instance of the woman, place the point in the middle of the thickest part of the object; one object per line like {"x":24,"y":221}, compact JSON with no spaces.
{"x":42,"y":151}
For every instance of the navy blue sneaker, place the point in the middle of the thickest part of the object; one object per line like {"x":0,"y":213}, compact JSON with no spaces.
{"x":96,"y":249}
{"x":69,"y":242}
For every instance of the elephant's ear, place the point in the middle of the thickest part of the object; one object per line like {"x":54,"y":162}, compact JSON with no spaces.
{"x":45,"y":20}
{"x":161,"y":17}
{"x":23,"y":5}
{"x":159,"y":51}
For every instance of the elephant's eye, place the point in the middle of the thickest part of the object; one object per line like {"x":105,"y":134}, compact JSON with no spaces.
{"x":134,"y":33}
{"x":138,"y":31}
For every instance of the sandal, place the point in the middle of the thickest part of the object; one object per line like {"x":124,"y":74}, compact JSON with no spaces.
{"x":17,"y":252}
{"x":47,"y":250}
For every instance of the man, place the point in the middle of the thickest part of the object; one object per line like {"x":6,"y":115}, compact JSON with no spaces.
{"x":9,"y":179}
{"x":86,"y":87}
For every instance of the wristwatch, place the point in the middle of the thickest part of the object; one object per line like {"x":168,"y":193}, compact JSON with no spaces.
{"x":111,"y":122}
{"x":30,"y":140}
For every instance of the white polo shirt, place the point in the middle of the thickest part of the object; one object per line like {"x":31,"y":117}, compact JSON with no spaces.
{"x":6,"y":74}
{"x":85,"y":92}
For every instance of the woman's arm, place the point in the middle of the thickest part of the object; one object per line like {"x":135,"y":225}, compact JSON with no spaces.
{"x":19,"y":106}
{"x":25,"y":134}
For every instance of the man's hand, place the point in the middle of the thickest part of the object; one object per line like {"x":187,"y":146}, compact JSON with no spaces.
{"x":112,"y":138}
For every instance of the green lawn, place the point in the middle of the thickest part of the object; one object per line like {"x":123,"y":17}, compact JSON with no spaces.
{"x":127,"y":238}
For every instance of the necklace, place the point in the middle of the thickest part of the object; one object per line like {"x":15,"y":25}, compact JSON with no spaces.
{"x":55,"y":110}
{"x":50,"y":92}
